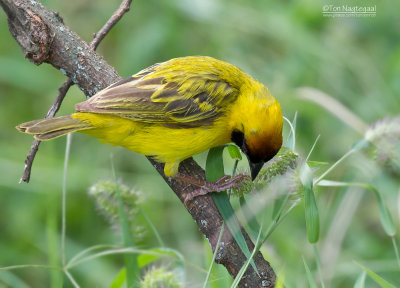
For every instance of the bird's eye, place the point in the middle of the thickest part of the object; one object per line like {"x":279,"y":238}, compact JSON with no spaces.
{"x":237,"y":137}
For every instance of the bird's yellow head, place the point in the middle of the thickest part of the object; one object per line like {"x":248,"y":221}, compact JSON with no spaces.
{"x":257,"y":128}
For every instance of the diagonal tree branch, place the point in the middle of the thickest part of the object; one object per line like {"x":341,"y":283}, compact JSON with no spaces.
{"x":44,"y":38}
{"x":63,"y":89}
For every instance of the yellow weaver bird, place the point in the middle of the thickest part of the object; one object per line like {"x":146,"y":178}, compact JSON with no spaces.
{"x":173,"y":110}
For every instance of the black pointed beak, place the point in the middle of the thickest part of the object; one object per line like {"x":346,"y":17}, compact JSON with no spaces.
{"x":255,"y":169}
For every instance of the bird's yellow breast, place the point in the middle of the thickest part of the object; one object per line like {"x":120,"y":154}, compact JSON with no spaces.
{"x":167,"y":145}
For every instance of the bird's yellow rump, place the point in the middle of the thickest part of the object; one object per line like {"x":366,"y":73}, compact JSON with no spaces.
{"x":176,"y":109}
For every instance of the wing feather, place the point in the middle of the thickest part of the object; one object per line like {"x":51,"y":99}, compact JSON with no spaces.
{"x":177,"y":99}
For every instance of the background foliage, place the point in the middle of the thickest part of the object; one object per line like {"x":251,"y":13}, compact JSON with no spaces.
{"x":285,"y":45}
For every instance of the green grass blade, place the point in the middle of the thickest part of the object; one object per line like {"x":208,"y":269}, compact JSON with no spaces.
{"x":214,"y":256}
{"x":153,"y":228}
{"x":64,"y":208}
{"x":313,"y":164}
{"x":131,"y":265}
{"x":52,"y":237}
{"x":72,"y":279}
{"x":260,"y":240}
{"x":9,"y":279}
{"x":396,"y":250}
{"x":249,"y":260}
{"x":219,"y":276}
{"x":360,"y":144}
{"x":291,"y":140}
{"x":378,"y":279}
{"x":84,"y":252}
{"x":280,"y":214}
{"x":64,"y":199}
{"x":129,"y":250}
{"x":214,"y":171}
{"x":251,"y":220}
{"x":360,"y":282}
{"x":279,"y":204}
{"x":385,"y":217}
{"x":225,"y":208}
{"x":311,"y":209}
{"x":310,"y":277}
{"x":334,"y":165}
{"x":151,"y":255}
{"x":312,"y":148}
{"x":318,"y":262}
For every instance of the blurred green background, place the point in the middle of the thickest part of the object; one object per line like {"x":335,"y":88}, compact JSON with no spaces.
{"x":285,"y":45}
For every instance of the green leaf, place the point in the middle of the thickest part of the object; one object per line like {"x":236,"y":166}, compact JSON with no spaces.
{"x":234,"y":152}
{"x":360,"y":282}
{"x":311,"y":209}
{"x":214,"y":171}
{"x":378,"y":279}
{"x":119,"y":280}
{"x":215,"y":164}
{"x":310,"y":277}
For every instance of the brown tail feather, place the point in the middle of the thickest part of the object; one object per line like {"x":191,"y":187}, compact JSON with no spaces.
{"x":49,"y":128}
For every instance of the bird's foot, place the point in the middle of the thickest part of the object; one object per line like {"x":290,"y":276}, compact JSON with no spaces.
{"x":224,"y":183}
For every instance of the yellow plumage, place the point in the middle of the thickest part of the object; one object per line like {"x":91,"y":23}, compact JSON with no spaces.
{"x":176,"y":109}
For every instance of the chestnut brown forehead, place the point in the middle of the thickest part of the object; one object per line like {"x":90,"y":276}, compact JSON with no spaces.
{"x":265,"y":145}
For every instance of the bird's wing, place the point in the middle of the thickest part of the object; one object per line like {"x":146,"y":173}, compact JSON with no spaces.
{"x":177,"y":98}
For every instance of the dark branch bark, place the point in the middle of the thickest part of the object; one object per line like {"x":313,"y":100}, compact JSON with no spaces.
{"x":44,"y":37}
{"x":63,"y":89}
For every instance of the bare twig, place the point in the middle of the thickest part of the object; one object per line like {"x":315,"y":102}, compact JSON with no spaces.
{"x":63,"y":89}
{"x":26,"y":175}
{"x":98,"y":37}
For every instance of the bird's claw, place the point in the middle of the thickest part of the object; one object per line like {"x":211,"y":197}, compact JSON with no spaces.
{"x":224,"y":183}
